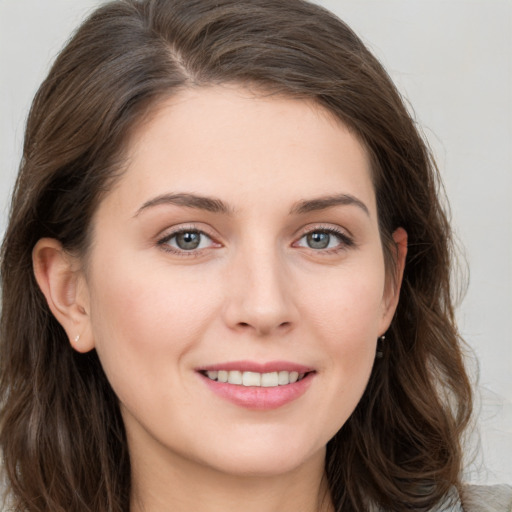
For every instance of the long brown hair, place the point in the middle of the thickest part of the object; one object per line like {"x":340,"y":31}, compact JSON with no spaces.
{"x":61,"y":432}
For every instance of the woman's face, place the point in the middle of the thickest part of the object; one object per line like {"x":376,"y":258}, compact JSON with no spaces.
{"x":241,"y":244}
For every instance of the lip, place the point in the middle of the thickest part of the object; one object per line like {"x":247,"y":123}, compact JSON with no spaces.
{"x":253,"y":366}
{"x":254,"y":397}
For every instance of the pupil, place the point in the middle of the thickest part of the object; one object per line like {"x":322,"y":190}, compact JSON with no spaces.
{"x":188,"y":240}
{"x":318,"y":240}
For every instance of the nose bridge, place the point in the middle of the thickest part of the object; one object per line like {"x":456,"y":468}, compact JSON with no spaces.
{"x":259,"y":290}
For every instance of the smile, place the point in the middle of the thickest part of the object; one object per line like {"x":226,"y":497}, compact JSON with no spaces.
{"x":258,"y":386}
{"x":265,"y":380}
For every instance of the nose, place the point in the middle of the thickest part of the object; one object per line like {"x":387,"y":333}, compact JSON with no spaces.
{"x":260,"y":297}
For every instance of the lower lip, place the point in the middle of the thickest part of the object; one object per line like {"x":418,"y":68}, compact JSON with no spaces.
{"x":260,"y":398}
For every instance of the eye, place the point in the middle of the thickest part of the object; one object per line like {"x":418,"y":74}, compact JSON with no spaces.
{"x":186,"y":240}
{"x":325,"y":239}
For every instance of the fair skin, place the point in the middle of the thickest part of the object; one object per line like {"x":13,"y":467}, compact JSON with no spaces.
{"x":283,"y":271}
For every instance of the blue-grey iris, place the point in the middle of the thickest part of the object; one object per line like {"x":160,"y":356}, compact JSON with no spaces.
{"x":318,"y":240}
{"x":188,"y":240}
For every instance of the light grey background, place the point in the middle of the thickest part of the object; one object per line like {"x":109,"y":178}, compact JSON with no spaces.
{"x":452,"y":59}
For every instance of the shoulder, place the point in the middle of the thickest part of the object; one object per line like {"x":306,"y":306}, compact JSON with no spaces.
{"x":486,"y":498}
{"x":474,"y":498}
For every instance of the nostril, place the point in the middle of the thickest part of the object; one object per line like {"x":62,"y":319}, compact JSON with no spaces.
{"x":264,"y":326}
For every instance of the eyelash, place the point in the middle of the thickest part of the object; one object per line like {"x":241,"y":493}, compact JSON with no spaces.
{"x":345,"y":241}
{"x":163,"y":242}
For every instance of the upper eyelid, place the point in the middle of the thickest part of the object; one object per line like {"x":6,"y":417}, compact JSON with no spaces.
{"x":168,"y":234}
{"x":164,"y":242}
{"x":335,"y":228}
{"x":173,"y":231}
{"x":172,"y":234}
{"x":345,"y":238}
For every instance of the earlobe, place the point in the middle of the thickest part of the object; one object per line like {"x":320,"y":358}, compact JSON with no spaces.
{"x":63,"y":286}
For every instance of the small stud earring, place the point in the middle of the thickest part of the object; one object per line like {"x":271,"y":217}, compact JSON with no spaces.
{"x":77,"y":337}
{"x":380,"y":354}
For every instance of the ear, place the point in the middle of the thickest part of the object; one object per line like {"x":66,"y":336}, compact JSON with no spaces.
{"x":63,"y":285}
{"x":392,"y":293}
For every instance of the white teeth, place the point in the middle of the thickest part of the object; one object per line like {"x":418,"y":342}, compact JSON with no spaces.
{"x":266,"y":380}
{"x":235,"y":377}
{"x":294,"y":377}
{"x":251,"y":379}
{"x":269,"y":380}
{"x":283,"y":378}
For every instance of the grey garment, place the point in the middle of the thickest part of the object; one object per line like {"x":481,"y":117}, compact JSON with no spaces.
{"x":474,"y":498}
{"x":478,"y":498}
{"x":484,"y":498}
{"x":450,"y":504}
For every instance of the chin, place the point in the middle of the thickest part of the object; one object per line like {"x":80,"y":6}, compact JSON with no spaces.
{"x":265,"y":458}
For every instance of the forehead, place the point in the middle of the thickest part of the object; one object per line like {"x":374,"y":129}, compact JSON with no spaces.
{"x":236,"y":143}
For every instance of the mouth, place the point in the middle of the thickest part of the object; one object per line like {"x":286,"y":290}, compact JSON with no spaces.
{"x":258,"y":386}
{"x":255,"y":379}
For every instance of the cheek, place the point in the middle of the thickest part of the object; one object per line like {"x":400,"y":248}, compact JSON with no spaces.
{"x":348,"y":308}
{"x":135,"y":296}
{"x":144,"y":320}
{"x":345,"y":318}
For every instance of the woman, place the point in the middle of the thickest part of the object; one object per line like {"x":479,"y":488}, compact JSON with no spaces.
{"x":226,"y":274}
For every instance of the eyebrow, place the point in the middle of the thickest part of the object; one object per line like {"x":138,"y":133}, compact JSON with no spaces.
{"x":324,"y":202}
{"x":209,"y":204}
{"x":214,"y":205}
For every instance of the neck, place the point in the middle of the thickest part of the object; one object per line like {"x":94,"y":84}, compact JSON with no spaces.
{"x":184,"y":486}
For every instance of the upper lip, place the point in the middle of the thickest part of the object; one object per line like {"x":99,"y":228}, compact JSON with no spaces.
{"x":253,"y":366}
